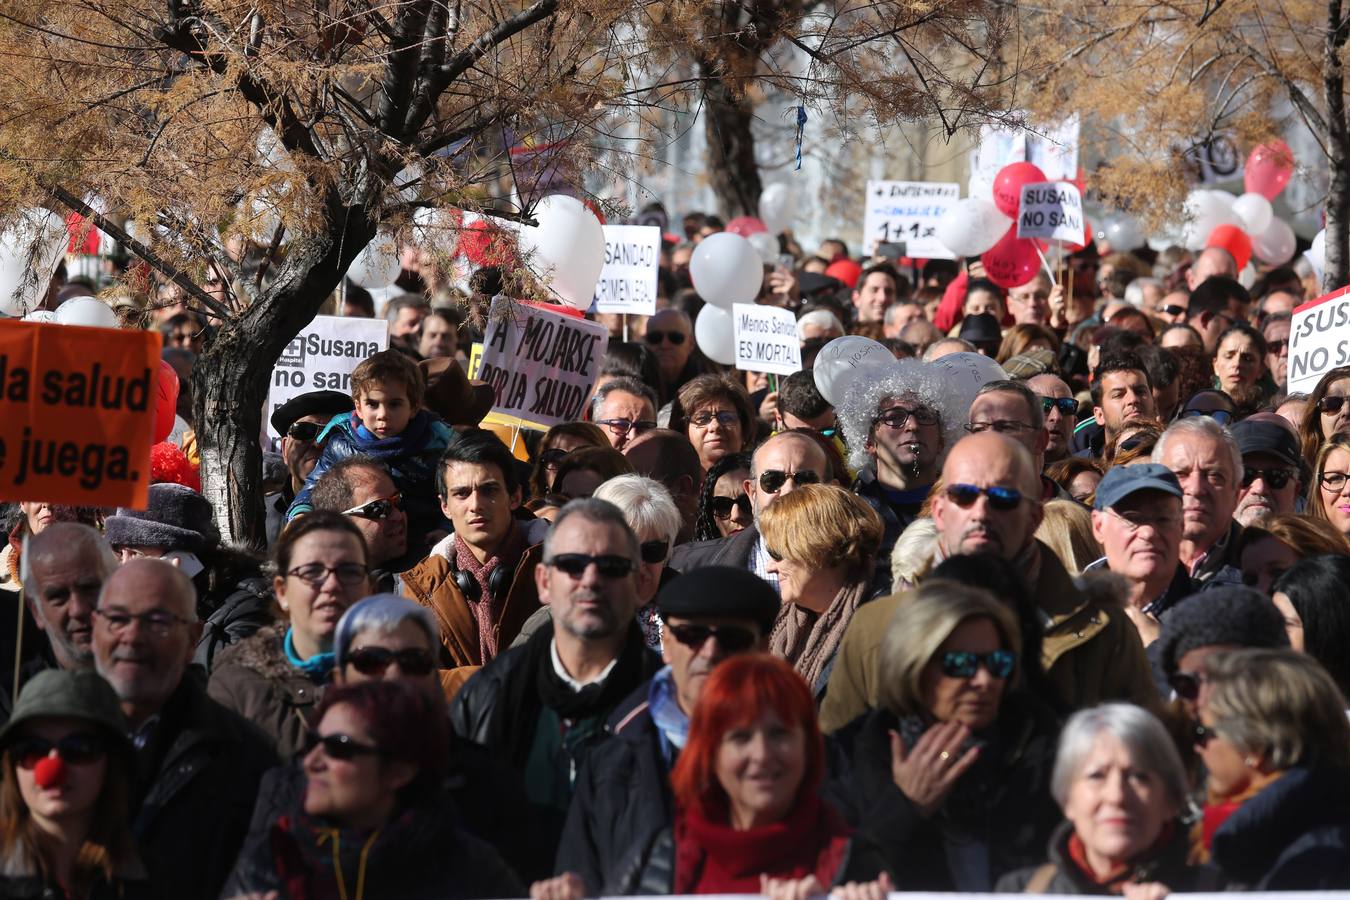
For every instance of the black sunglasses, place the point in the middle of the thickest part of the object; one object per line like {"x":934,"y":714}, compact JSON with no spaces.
{"x":1222,"y":416}
{"x":1331,"y":405}
{"x":341,"y":747}
{"x":1276,"y":478}
{"x":576,"y":564}
{"x":1204,"y":734}
{"x":377,"y":509}
{"x":963,"y":664}
{"x":1274,"y":347}
{"x":623,"y":426}
{"x":1067,"y":406}
{"x":1186,"y":685}
{"x":374,"y":660}
{"x":731,"y":638}
{"x":722,"y":506}
{"x":304,"y":431}
{"x":78,"y":749}
{"x":1000,"y":498}
{"x":771,"y":481}
{"x":656,"y":337}
{"x":1173,"y":310}
{"x":654,"y":551}
{"x":552,"y":457}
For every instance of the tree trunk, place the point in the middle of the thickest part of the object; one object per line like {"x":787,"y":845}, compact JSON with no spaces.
{"x":1336,"y":269}
{"x":733,"y":171}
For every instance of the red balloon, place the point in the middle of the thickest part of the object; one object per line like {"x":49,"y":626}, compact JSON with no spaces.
{"x":1235,"y":241}
{"x":1012,"y":262}
{"x":484,"y":244}
{"x":1008,"y":185}
{"x":746,"y":226}
{"x":1268,"y":169}
{"x":846,"y":270}
{"x":166,"y":400}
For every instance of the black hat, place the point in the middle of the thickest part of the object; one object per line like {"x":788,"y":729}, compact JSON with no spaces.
{"x":178,"y":518}
{"x":1256,"y":436}
{"x":981,"y":328}
{"x":720,"y":591}
{"x":1231,"y":614}
{"x":315,"y":403}
{"x":812,"y":283}
{"x":58,"y":694}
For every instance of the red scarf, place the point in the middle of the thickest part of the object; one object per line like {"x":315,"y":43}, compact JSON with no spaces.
{"x":487,"y":609}
{"x":1114,"y":881}
{"x":714,"y":858}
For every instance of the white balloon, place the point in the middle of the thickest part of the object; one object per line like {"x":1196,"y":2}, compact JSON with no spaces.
{"x":845,"y":358}
{"x":1276,"y":244}
{"x":713,"y":334}
{"x":377,"y":265}
{"x":1223,"y":198}
{"x":1123,"y":232}
{"x":40,"y":315}
{"x":965,"y":373}
{"x":1247,"y":277}
{"x":566,"y":250}
{"x":1316,"y":255}
{"x":777,"y":207}
{"x":726,"y":269}
{"x":86,"y":311}
{"x":1205,"y":211}
{"x":38,"y":237}
{"x":766,"y":245}
{"x":971,"y":226}
{"x":1255,"y":211}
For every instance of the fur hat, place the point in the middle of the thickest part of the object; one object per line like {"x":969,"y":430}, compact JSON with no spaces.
{"x":178,"y":518}
{"x":1231,"y":614}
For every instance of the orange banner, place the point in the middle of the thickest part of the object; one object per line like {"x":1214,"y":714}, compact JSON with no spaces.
{"x":77,"y":414}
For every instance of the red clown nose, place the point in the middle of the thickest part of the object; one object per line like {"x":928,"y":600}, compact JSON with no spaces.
{"x":49,"y":772}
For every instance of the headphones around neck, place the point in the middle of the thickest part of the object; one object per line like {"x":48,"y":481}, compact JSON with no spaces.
{"x":468,"y":584}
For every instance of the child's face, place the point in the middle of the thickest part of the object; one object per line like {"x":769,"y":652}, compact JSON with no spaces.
{"x":384,"y":409}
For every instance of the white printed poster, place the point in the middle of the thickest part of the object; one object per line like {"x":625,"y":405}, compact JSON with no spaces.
{"x":628,"y":280}
{"x":1319,"y":339}
{"x":907,"y":212}
{"x":766,"y":339}
{"x":1051,"y":211}
{"x":322,"y":357}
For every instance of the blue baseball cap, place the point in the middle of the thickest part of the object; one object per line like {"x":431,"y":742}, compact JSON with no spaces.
{"x":1122,"y":481}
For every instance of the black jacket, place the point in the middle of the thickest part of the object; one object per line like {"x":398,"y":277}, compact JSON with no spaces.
{"x":621,"y":805}
{"x":238,"y":614}
{"x":1062,"y":876}
{"x":200,"y":767}
{"x":426,"y":853}
{"x":731,"y":551}
{"x":996,"y":820}
{"x":1292,"y":836}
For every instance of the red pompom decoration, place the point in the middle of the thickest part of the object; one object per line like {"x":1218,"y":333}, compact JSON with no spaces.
{"x":170,"y":465}
{"x":50,"y":772}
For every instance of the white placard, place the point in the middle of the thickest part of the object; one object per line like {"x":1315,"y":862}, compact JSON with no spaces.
{"x":1052,"y":211}
{"x":766,"y":339}
{"x":541,"y":364}
{"x":1054,"y":150}
{"x":1319,"y":339}
{"x":628,"y":281}
{"x":322,"y":357}
{"x":907,"y":212}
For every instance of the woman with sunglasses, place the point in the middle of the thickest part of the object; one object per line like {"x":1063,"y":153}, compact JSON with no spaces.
{"x":714,"y":412}
{"x":372,"y":818}
{"x":1275,"y":742}
{"x":557,"y":443}
{"x":724,"y":508}
{"x":1329,"y":500}
{"x":949,"y":775}
{"x":651,"y":512}
{"x":822,"y":542}
{"x":65,"y":830}
{"x":275,"y":678}
{"x":386,"y":637}
{"x":1326,"y":414}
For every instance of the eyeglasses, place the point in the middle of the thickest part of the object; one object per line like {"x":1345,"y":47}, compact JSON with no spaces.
{"x":897,"y":416}
{"x":1333,"y":481}
{"x":1067,"y":406}
{"x":675,"y":337}
{"x":553,"y":456}
{"x":341,"y":747}
{"x":576,"y":564}
{"x":1134,"y":521}
{"x":724,"y":418}
{"x":1000,"y":498}
{"x":1222,"y":416}
{"x":731,"y":638}
{"x":771,"y":481}
{"x":962,"y":664}
{"x":79,"y":749}
{"x":1001,"y":426}
{"x":1276,"y":478}
{"x":1204,"y":734}
{"x":1330,"y":405}
{"x":1276,"y":347}
{"x":304,"y":431}
{"x":315,"y":574}
{"x":623,"y":426}
{"x":157,"y":622}
{"x":377,"y":509}
{"x":653,"y":552}
{"x":1187,"y":684}
{"x":374,"y":660}
{"x":722,"y":506}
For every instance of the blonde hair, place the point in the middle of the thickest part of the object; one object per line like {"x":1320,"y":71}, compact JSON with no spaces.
{"x":923,"y":621}
{"x":1067,"y":530}
{"x":1339,"y":441}
{"x":822,"y":526}
{"x":1279,"y":703}
{"x":912,"y":556}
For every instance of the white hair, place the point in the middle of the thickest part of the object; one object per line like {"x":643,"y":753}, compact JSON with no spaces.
{"x":645,"y":502}
{"x":903,"y":378}
{"x":1201,"y":426}
{"x":821,"y":318}
{"x":1134,"y":291}
{"x":1150,"y":747}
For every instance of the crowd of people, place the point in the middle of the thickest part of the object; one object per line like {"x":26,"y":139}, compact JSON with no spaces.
{"x":1081,"y":626}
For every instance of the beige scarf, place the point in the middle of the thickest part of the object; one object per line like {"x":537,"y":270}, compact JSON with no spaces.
{"x":809,"y":640}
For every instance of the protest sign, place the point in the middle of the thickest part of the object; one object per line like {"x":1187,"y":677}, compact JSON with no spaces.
{"x":322,"y":357}
{"x":907,"y":212}
{"x":77,"y":414}
{"x":542,"y":365}
{"x":1053,"y":150}
{"x":1319,"y":339}
{"x":1052,"y":211}
{"x":628,"y":280}
{"x":766,"y":339}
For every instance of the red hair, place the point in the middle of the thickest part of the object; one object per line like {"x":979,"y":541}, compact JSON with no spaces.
{"x":738,"y":692}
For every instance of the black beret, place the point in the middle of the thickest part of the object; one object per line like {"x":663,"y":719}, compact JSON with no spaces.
{"x":720,"y":591}
{"x":1231,"y":614}
{"x":314,"y":403}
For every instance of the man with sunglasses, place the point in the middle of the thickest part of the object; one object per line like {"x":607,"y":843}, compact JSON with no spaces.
{"x":1272,"y":468}
{"x":361,"y":488}
{"x":670,"y":335}
{"x":200,"y":764}
{"x":624,"y":409}
{"x":1060,"y":411}
{"x":300,"y":421}
{"x":623,"y":798}
{"x":1276,"y":331}
{"x":1174,"y":306}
